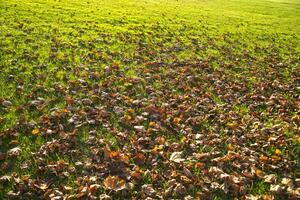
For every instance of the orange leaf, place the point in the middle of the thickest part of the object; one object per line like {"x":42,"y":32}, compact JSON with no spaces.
{"x":259,"y":173}
{"x":263,"y":158}
{"x":199,"y":165}
{"x":114,"y":155}
{"x":151,"y":124}
{"x":176,"y":120}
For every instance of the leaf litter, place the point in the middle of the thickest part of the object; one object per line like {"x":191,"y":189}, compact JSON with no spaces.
{"x":178,"y":129}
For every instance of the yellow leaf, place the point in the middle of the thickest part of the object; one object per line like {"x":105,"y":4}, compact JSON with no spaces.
{"x":35,"y":131}
{"x":233,"y":125}
{"x":131,"y":101}
{"x":130,"y":110}
{"x":176,"y":120}
{"x":230,"y":147}
{"x":128,"y":118}
{"x":277,"y":152}
{"x":157,"y":148}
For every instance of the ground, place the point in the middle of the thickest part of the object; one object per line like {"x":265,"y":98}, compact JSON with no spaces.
{"x":124,"y":99}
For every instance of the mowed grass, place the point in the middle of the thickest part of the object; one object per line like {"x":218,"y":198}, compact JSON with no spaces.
{"x":205,"y":78}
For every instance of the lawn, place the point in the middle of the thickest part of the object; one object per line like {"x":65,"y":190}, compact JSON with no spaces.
{"x":156,"y":99}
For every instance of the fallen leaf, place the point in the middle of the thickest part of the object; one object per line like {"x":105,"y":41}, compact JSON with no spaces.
{"x":151,"y":124}
{"x":139,"y":128}
{"x":176,"y":157}
{"x":114,"y":183}
{"x":251,"y":197}
{"x":276,"y":189}
{"x":14,"y":152}
{"x":4,"y":179}
{"x":287,"y":181}
{"x":6,"y":103}
{"x":259,"y":173}
{"x":148,"y":190}
{"x":104,"y":197}
{"x":271,"y":178}
{"x":93,"y":188}
{"x":35,"y":131}
{"x":199,"y":165}
{"x":277,"y":152}
{"x":179,"y":189}
{"x":139,"y":158}
{"x":176,"y":120}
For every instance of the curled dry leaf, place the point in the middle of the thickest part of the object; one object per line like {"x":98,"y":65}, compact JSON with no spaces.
{"x":176,"y":157}
{"x":13,"y":195}
{"x":6,"y":103}
{"x":148,"y":190}
{"x":93,"y":188}
{"x":271,"y":178}
{"x":104,"y":197}
{"x":179,"y":189}
{"x":251,"y":197}
{"x":14,"y":152}
{"x":187,"y":172}
{"x":42,"y":186}
{"x":114,"y":183}
{"x":189,"y":197}
{"x":293,"y":193}
{"x":277,"y":189}
{"x":5,"y":179}
{"x":287,"y":181}
{"x":139,"y":128}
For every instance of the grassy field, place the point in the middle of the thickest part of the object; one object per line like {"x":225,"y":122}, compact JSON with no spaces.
{"x":157,"y":99}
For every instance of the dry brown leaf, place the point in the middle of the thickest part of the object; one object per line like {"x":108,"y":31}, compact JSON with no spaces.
{"x":14,"y":152}
{"x":114,"y":183}
{"x":287,"y":181}
{"x":271,"y":178}
{"x":139,"y":158}
{"x":148,"y":190}
{"x":276,"y":189}
{"x":93,"y":188}
{"x":179,"y":189}
{"x":104,"y":197}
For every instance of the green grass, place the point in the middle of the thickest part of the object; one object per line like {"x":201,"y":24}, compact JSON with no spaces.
{"x":219,"y":54}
